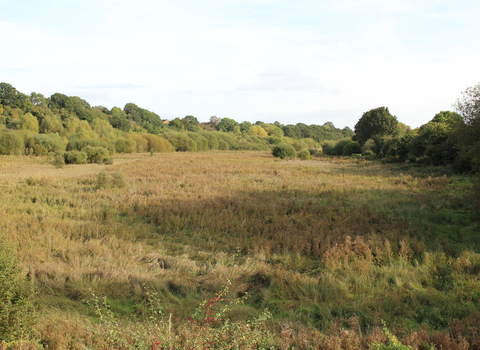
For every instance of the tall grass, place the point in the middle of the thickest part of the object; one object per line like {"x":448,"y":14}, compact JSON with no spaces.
{"x":330,"y":247}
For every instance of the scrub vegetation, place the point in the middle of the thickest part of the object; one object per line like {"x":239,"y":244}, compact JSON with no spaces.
{"x":111,"y":240}
{"x":283,"y":254}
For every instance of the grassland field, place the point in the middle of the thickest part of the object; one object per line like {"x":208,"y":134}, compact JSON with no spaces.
{"x":335,"y":249}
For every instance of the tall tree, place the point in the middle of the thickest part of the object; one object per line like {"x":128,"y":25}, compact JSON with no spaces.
{"x":468,"y":106}
{"x":9,"y":96}
{"x":374,"y":124}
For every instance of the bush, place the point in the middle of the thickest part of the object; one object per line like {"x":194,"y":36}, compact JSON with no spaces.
{"x":352,"y":147}
{"x":335,"y":148}
{"x":284,"y":151}
{"x":229,"y":141}
{"x":141,"y":142}
{"x":17,"y":310}
{"x":304,"y":154}
{"x":125,"y":145}
{"x":11,"y":143}
{"x":158,"y":144}
{"x":45,"y":143}
{"x":79,"y":144}
{"x":75,"y":157}
{"x":59,"y":160}
{"x":202,"y":142}
{"x":211,"y":138}
{"x":96,"y":154}
{"x":180,"y":141}
{"x":223,"y":145}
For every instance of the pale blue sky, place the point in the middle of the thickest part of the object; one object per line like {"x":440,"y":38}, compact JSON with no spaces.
{"x":291,"y":61}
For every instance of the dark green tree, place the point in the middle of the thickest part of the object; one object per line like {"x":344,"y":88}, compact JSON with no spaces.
{"x":118,"y":119}
{"x":191,"y":123}
{"x":374,"y":124}
{"x":245,"y":126}
{"x":9,"y":96}
{"x":228,"y":125}
{"x":144,"y":118}
{"x":468,"y":106}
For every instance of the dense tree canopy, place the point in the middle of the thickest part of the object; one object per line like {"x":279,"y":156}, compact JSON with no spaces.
{"x":375,"y":123}
{"x":468,"y":106}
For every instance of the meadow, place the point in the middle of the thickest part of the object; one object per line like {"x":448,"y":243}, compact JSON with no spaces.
{"x":200,"y":250}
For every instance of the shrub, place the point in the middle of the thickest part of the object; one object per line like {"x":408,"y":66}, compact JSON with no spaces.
{"x":125,"y":145}
{"x":352,"y":147}
{"x":335,"y":148}
{"x":229,"y":141}
{"x":202,"y":142}
{"x":299,"y":145}
{"x":284,"y":151}
{"x":141,"y":142}
{"x":223,"y":145}
{"x":39,"y":150}
{"x":17,"y":310}
{"x":75,"y":157}
{"x":11,"y":143}
{"x":45,"y":143}
{"x":304,"y":154}
{"x":211,"y":138}
{"x":59,"y":160}
{"x":107,"y":161}
{"x":158,"y":144}
{"x":96,"y":154}
{"x":78,"y":144}
{"x":180,"y":141}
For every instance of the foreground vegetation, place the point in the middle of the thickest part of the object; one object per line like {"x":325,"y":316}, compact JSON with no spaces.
{"x":205,"y":250}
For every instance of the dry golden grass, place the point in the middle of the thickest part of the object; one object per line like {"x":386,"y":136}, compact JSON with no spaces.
{"x":294,"y":234}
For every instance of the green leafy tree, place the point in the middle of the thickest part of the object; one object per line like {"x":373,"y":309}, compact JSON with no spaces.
{"x":29,"y":122}
{"x":118,"y":119}
{"x":191,"y":123}
{"x":144,"y":118}
{"x":257,"y":130}
{"x":245,"y":126}
{"x":228,"y":125}
{"x":11,"y":143}
{"x":176,"y":124}
{"x":468,"y":106}
{"x":374,"y":124}
{"x":272,"y":130}
{"x":51,"y":124}
{"x":9,"y":96}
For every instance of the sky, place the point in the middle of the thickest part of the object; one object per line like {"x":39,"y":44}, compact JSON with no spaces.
{"x":308,"y":61}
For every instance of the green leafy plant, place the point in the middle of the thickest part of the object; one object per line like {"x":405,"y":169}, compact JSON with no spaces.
{"x":284,"y":151}
{"x":17,"y":309}
{"x":304,"y":154}
{"x":393,"y":342}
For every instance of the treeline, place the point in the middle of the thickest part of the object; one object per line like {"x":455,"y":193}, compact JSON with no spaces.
{"x":37,"y":125}
{"x":448,"y":139}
